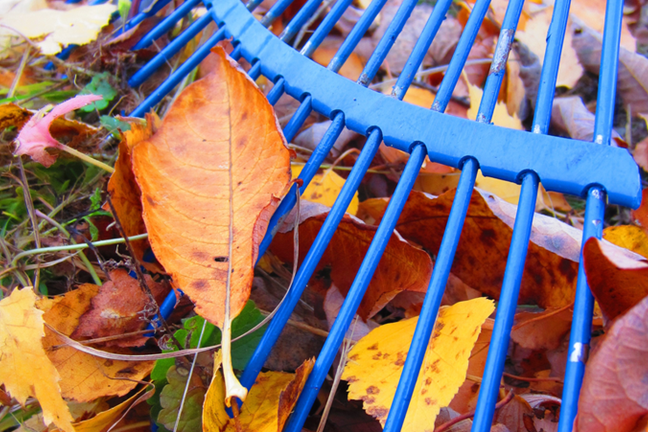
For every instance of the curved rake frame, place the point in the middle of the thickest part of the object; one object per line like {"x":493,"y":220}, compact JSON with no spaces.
{"x":596,"y":171}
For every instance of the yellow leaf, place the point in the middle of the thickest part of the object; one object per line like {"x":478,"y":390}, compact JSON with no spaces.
{"x":501,"y":116}
{"x":105,"y":419}
{"x":376,"y":362}
{"x":61,"y":28}
{"x":267,"y":406}
{"x":324,"y":189}
{"x":25,"y":369}
{"x":630,"y":237}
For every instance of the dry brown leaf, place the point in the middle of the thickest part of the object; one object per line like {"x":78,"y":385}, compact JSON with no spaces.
{"x":25,"y":369}
{"x":618,"y":278}
{"x":124,"y":191}
{"x":218,"y":158}
{"x":120,"y":307}
{"x":591,"y":12}
{"x":351,"y":69}
{"x":571,"y":116}
{"x":632,"y":80}
{"x":84,"y":377}
{"x":641,"y":214}
{"x":613,"y":396}
{"x":402,"y":267}
{"x":542,"y":330}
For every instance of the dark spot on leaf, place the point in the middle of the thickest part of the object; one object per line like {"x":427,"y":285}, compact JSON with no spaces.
{"x":428,"y":401}
{"x":567,"y":268}
{"x":352,"y":379}
{"x":428,"y":381}
{"x":221,"y":259}
{"x":108,"y":363}
{"x":373,"y":347}
{"x":199,"y":284}
{"x":487,"y":237}
{"x":150,"y":201}
{"x":379,"y":412}
{"x":373,"y":390}
{"x":377,"y":356}
{"x":368,"y":399}
{"x":423,"y":391}
{"x":126,"y":371}
{"x":386,"y":355}
{"x":354,"y":357}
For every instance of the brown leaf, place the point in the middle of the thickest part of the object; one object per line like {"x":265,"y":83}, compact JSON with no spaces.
{"x":632,"y":80}
{"x":570,"y":115}
{"x":14,"y":115}
{"x":119,"y":307}
{"x":618,"y":278}
{"x":551,"y":266}
{"x":124,"y":191}
{"x":84,"y":377}
{"x":516,"y":415}
{"x":217,"y":163}
{"x":542,"y":330}
{"x":614,"y":393}
{"x":403,"y":266}
{"x":641,"y":214}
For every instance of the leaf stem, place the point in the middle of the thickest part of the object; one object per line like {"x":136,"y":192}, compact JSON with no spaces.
{"x":84,"y":157}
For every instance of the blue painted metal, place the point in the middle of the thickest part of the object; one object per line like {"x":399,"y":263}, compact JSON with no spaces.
{"x":142,"y":15}
{"x":357,"y":290}
{"x":567,"y":166}
{"x":167,"y":24}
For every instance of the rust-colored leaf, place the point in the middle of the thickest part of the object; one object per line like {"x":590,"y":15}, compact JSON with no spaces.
{"x":618,"y":278}
{"x":120,"y":307}
{"x":551,"y":265}
{"x":403,"y":266}
{"x":641,"y":214}
{"x":217,"y":163}
{"x":85,"y":378}
{"x":542,"y":330}
{"x":124,"y":191}
{"x":613,"y":397}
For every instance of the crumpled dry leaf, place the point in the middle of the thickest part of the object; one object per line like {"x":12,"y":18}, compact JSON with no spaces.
{"x":618,"y":278}
{"x":25,"y":369}
{"x":35,"y":136}
{"x":120,"y":307}
{"x":197,"y":179}
{"x":570,"y":115}
{"x":61,"y":28}
{"x":376,"y":362}
{"x":267,"y":407}
{"x":124,"y":191}
{"x":351,"y":69}
{"x":84,"y":377}
{"x":641,"y":214}
{"x":105,"y":419}
{"x":542,"y":330}
{"x":613,"y":396}
{"x":14,"y":115}
{"x":312,"y":136}
{"x":402,"y":267}
{"x":632,"y":79}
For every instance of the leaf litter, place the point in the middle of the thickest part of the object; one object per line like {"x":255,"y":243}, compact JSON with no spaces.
{"x":111,"y":320}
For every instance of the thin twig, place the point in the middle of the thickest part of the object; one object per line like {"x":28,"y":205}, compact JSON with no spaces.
{"x":19,"y":73}
{"x":521,"y":378}
{"x":32,"y":215}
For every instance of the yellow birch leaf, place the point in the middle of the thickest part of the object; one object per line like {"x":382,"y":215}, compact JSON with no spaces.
{"x":325,"y":188}
{"x":267,"y":406}
{"x":376,"y":362}
{"x":25,"y":369}
{"x":630,"y":237}
{"x":105,"y":419}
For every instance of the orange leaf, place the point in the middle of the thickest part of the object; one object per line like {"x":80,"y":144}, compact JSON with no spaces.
{"x":218,"y":162}
{"x":403,"y":266}
{"x":618,"y":278}
{"x":613,"y":397}
{"x":84,"y":377}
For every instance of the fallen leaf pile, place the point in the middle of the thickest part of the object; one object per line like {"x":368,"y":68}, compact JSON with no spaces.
{"x":98,"y":333}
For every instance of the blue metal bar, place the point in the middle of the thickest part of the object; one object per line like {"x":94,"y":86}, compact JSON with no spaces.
{"x":177,"y":76}
{"x":433,"y":296}
{"x":171,"y":49}
{"x":461,"y":54}
{"x":421,"y":48}
{"x":312,"y":258}
{"x":325,"y":27}
{"x":298,"y":119}
{"x":356,"y":34}
{"x":580,"y":336}
{"x":386,"y":42}
{"x":507,"y":304}
{"x":167,"y":24}
{"x":298,"y":21}
{"x":253,"y":4}
{"x":550,"y":65}
{"x":143,"y":15}
{"x":166,"y":308}
{"x":357,"y":290}
{"x":275,"y":11}
{"x":500,"y":57}
{"x":277,"y":91}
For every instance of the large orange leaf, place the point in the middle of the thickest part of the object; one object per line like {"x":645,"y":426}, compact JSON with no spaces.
{"x":403,"y":267}
{"x":211,"y":177}
{"x":613,"y":397}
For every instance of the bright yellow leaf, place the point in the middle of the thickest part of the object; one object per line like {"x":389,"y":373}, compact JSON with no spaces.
{"x":267,"y":406}
{"x":25,"y":369}
{"x":324,"y":189}
{"x":630,"y":237}
{"x":376,"y":362}
{"x":501,"y":116}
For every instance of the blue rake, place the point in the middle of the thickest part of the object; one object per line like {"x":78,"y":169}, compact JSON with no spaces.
{"x":597,"y":171}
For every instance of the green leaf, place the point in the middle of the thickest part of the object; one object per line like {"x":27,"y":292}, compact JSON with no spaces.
{"x":171,"y":398}
{"x":113,"y":125}
{"x":100,"y":86}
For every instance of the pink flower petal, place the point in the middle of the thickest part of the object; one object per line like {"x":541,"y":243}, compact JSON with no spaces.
{"x":35,"y":136}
